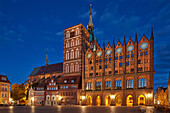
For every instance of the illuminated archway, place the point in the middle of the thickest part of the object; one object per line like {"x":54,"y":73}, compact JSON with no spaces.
{"x":141,"y":100}
{"x":89,"y":100}
{"x":98,"y":100}
{"x":118,"y":100}
{"x":107,"y":101}
{"x":129,"y":100}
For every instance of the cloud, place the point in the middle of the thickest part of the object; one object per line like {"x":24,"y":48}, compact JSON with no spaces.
{"x":86,"y":14}
{"x":61,"y":33}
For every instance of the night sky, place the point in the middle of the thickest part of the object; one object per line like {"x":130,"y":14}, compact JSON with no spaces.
{"x":29,"y":27}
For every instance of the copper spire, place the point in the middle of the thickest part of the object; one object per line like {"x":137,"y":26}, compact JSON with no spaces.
{"x":90,"y":25}
{"x":46,"y":61}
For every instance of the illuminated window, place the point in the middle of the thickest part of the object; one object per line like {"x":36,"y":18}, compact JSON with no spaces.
{"x":141,"y":54}
{"x":146,"y":53}
{"x":121,"y":57}
{"x":127,"y":56}
{"x":116,"y":58}
{"x":127,"y":63}
{"x":120,"y":64}
{"x":142,"y":83}
{"x":132,"y":55}
{"x":72,"y":81}
{"x":110,"y":59}
{"x":107,"y":85}
{"x":98,"y":85}
{"x":65,"y":81}
{"x":118,"y":84}
{"x":129,"y":83}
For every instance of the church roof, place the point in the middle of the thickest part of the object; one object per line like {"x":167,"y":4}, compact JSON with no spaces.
{"x":52,"y":68}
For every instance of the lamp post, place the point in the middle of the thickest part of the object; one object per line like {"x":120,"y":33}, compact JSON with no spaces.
{"x":149,"y":96}
{"x":32,"y":100}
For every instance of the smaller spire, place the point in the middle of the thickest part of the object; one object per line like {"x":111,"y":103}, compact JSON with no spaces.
{"x":152,"y":32}
{"x":136,"y":38}
{"x":94,"y":48}
{"x":46,"y":61}
{"x":90,"y":25}
{"x":103,"y":45}
{"x":113,"y":42}
{"x":124,"y":42}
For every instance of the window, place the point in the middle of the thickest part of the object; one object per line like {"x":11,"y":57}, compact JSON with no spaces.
{"x":100,"y":60}
{"x":139,"y":61}
{"x":116,"y":58}
{"x":3,"y":78}
{"x":77,"y":53}
{"x":72,"y":81}
{"x":75,"y":86}
{"x":92,"y":68}
{"x":67,"y":55}
{"x":89,"y":86}
{"x":98,"y":85}
{"x":146,"y":53}
{"x":72,"y":67}
{"x":127,"y":63}
{"x":67,"y":68}
{"x":65,"y":81}
{"x":108,"y":85}
{"x":129,"y":83}
{"x":106,"y":66}
{"x":91,"y":74}
{"x":110,"y":72}
{"x":63,"y":87}
{"x":2,"y":88}
{"x":132,"y":70}
{"x":66,"y":87}
{"x":141,"y":54}
{"x":116,"y":71}
{"x":132,"y":55}
{"x":118,"y":84}
{"x":72,"y":34}
{"x":121,"y":57}
{"x":106,"y":59}
{"x":90,"y":62}
{"x":120,"y":64}
{"x":100,"y":67}
{"x":140,"y":69}
{"x":110,"y":59}
{"x":72,"y":54}
{"x":142,"y":83}
{"x":77,"y":67}
{"x":127,"y":56}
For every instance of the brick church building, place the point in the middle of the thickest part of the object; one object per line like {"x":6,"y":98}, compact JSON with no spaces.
{"x":114,"y":74}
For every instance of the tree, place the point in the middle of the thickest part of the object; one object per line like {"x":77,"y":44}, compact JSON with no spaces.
{"x":18,"y":91}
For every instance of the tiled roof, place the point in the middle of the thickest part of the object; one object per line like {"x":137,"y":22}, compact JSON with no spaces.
{"x":53,"y":68}
{"x":2,"y":80}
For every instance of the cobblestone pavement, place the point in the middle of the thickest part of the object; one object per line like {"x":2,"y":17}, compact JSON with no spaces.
{"x":73,"y":109}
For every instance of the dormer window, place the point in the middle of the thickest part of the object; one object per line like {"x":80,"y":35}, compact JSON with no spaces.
{"x":54,"y":83}
{"x":72,"y":34}
{"x":51,"y":80}
{"x":65,"y":81}
{"x":72,"y":81}
{"x":50,"y":84}
{"x":3,"y":78}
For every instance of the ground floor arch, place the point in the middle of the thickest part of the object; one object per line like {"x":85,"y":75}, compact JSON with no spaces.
{"x":141,"y":100}
{"x":118,"y":100}
{"x":129,"y":100}
{"x":89,"y":100}
{"x":98,"y":100}
{"x":107,"y":100}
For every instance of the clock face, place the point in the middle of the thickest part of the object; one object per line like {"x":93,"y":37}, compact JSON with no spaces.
{"x":119,"y":50}
{"x":130,"y":48}
{"x":99,"y":53}
{"x":89,"y":55}
{"x":144,"y":45}
{"x":108,"y":52}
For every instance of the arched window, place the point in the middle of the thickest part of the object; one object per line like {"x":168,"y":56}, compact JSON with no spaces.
{"x":72,"y":54}
{"x":142,"y":82}
{"x":67,"y":44}
{"x":77,"y":53}
{"x":129,"y":83}
{"x":67,"y":68}
{"x":72,"y":67}
{"x":67,"y":55}
{"x":67,"y":34}
{"x":118,"y":84}
{"x":77,"y":31}
{"x":77,"y":41}
{"x":77,"y":67}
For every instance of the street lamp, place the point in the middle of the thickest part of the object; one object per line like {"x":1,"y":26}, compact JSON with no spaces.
{"x":83,"y":97}
{"x":149,"y":95}
{"x":32,"y":100}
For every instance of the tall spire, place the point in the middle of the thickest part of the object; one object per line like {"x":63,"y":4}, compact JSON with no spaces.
{"x":46,"y":61}
{"x":90,"y":25}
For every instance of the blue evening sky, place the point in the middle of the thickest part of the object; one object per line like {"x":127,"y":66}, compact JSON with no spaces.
{"x":28,"y":27}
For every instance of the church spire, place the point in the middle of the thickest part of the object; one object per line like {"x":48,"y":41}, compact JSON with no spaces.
{"x":90,"y":25}
{"x":46,"y":61}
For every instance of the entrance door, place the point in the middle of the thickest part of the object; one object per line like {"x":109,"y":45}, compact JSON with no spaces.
{"x":118,"y":100}
{"x":107,"y":101}
{"x":141,"y":100}
{"x":89,"y":100}
{"x":98,"y":100}
{"x":129,"y":100}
